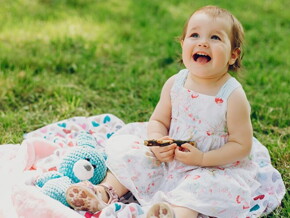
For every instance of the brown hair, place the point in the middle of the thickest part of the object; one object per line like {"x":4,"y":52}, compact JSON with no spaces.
{"x":237,"y":38}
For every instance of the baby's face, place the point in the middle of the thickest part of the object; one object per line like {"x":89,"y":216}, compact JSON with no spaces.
{"x":206,"y":48}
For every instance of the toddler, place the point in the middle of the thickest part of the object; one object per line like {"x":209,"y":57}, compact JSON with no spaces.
{"x":221,"y":176}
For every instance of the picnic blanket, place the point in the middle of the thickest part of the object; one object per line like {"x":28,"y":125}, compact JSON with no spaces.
{"x":20,"y":164}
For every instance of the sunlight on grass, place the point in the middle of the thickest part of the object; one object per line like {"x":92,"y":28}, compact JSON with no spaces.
{"x":72,"y":28}
{"x":40,"y":22}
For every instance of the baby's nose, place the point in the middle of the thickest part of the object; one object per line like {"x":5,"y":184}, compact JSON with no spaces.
{"x":203,"y":43}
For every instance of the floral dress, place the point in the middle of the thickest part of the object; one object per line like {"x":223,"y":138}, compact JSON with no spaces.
{"x":246,"y":188}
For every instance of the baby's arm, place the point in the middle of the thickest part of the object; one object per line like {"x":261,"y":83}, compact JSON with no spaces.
{"x":240,"y":137}
{"x":159,"y":124}
{"x":240,"y":132}
{"x":159,"y":121}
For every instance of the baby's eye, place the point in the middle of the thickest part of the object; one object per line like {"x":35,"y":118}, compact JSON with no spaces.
{"x":194,"y":35}
{"x":215,"y":37}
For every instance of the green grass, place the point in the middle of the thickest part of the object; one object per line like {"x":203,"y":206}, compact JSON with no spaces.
{"x":65,"y":58}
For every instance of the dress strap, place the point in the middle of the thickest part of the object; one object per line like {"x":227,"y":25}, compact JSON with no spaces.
{"x":180,"y":79}
{"x":226,"y":90}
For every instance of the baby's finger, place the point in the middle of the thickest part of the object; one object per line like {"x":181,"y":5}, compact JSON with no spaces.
{"x":168,"y":148}
{"x":187,"y":146}
{"x":167,"y":156}
{"x":165,"y":138}
{"x":181,"y":153}
{"x":167,"y":153}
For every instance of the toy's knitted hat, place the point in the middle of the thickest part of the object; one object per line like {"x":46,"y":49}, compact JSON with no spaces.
{"x":85,"y":161}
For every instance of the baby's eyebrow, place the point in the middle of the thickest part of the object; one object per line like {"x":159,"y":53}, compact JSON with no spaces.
{"x":219,"y":32}
{"x":194,"y":28}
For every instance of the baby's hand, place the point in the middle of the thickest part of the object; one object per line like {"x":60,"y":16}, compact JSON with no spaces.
{"x":165,"y":153}
{"x":189,"y":155}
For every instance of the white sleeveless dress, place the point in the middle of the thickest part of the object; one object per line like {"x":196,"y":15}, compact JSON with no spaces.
{"x":245,"y":188}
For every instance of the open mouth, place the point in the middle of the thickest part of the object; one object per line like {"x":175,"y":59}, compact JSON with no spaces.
{"x":201,"y":57}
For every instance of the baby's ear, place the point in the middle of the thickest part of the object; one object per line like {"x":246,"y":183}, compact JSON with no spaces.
{"x":181,"y":42}
{"x":234,"y":56}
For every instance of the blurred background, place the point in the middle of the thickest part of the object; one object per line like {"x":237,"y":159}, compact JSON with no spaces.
{"x":66,"y":58}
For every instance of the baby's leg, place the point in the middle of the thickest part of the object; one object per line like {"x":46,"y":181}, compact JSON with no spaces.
{"x":166,"y":210}
{"x":112,"y":181}
{"x":88,"y":197}
{"x":182,"y":212}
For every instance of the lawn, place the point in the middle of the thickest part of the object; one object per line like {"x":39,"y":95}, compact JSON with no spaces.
{"x":65,"y":58}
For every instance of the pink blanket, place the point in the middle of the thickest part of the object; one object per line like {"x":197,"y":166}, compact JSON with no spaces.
{"x":21,"y":164}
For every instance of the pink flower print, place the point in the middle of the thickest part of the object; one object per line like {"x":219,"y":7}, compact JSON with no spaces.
{"x":43,"y":130}
{"x":219,"y":100}
{"x":61,"y":144}
{"x":91,"y":132}
{"x":236,"y":163}
{"x":96,"y":215}
{"x":222,"y":211}
{"x":52,"y":169}
{"x":150,"y":175}
{"x":59,"y":135}
{"x":194,"y":96}
{"x":148,"y":188}
{"x":66,"y":131}
{"x":239,"y":200}
{"x":208,"y":133}
{"x":132,"y":209}
{"x":270,"y":190}
{"x":259,"y":197}
{"x":195,"y":177}
{"x":101,"y":141}
{"x":246,"y":206}
{"x":134,"y":178}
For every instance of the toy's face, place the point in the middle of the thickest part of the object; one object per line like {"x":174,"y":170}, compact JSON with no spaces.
{"x":84,"y":163}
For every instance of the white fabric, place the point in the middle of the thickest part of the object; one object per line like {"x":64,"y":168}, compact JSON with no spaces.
{"x":235,"y":190}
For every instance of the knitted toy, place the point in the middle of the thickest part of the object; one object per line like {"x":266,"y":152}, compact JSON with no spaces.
{"x":82,"y":162}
